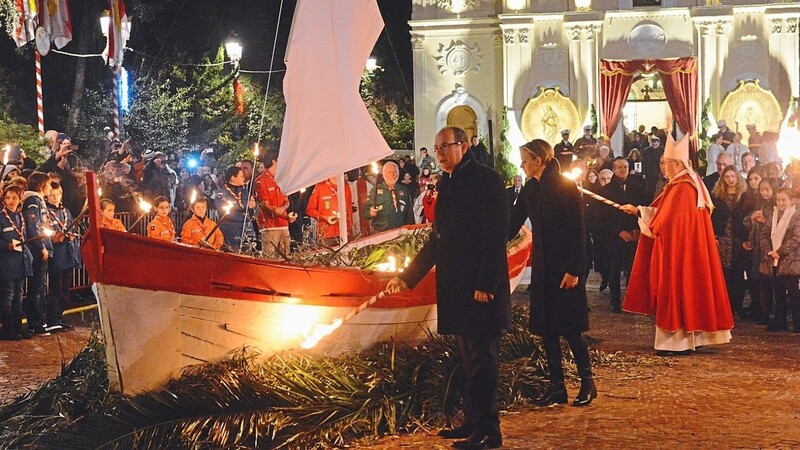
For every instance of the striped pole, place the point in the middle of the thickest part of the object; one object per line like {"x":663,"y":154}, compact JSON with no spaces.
{"x":39,"y":102}
{"x":116,"y":102}
{"x":321,"y":331}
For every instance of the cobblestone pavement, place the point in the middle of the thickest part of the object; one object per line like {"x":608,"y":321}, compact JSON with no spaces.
{"x":28,"y":363}
{"x":742,"y":395}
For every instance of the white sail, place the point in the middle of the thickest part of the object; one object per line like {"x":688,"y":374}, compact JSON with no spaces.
{"x":327,"y":129}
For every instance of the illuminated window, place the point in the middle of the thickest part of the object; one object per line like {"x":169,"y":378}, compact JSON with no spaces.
{"x":646,"y":3}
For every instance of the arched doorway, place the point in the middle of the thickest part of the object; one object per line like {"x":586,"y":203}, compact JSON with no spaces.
{"x":647,"y":104}
{"x":465,"y":118}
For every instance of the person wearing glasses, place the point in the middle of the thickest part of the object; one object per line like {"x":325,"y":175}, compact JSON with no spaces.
{"x":468,"y":248}
{"x":677,"y":273}
{"x":161,"y":226}
{"x":390,"y":205}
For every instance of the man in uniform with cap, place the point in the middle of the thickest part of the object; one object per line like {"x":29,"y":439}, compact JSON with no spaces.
{"x":564,"y":151}
{"x":586,"y":145}
{"x":651,"y":159}
{"x":754,"y":141}
{"x":677,"y":274}
{"x":726,"y":133}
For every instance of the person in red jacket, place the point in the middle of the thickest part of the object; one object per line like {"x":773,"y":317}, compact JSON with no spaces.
{"x":323,"y":206}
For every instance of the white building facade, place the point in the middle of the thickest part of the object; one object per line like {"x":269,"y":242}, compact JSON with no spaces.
{"x":541,"y":59}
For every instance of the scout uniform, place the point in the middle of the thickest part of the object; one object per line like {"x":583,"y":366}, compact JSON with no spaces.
{"x":161,"y":228}
{"x":196,"y":229}
{"x":15,"y":265}
{"x":113,"y":224}
{"x":323,"y":203}
{"x":34,"y":211}
{"x":398,"y":208}
{"x":66,"y":255}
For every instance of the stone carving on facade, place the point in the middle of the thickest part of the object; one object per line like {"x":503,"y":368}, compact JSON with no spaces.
{"x":460,"y":95}
{"x":459,"y":58}
{"x":590,"y":32}
{"x":523,"y":35}
{"x":417,"y":41}
{"x":508,"y":36}
{"x":777,"y":26}
{"x":750,"y":103}
{"x":791,"y":25}
{"x":551,"y":58}
{"x":574,"y":32}
{"x":647,"y":39}
{"x":547,"y":113}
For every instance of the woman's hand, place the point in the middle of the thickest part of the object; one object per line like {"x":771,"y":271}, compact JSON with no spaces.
{"x":569,"y":281}
{"x":747,"y":245}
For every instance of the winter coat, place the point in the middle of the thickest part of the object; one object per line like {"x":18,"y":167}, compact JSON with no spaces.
{"x":468,"y":248}
{"x":553,"y":206}
{"x":34,"y":211}
{"x":67,"y":253}
{"x":789,"y":251}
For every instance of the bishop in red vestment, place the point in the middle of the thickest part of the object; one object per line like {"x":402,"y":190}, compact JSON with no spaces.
{"x":677,"y":274}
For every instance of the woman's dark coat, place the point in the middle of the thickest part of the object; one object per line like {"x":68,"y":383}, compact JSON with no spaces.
{"x":468,"y":247}
{"x":553,"y":205}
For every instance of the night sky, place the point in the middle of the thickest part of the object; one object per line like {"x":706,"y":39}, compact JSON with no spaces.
{"x":181,"y":31}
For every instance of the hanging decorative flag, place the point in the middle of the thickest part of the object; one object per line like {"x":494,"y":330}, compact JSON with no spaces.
{"x":60,"y":22}
{"x":118,"y":32}
{"x":238,"y":94}
{"x":25,"y":26}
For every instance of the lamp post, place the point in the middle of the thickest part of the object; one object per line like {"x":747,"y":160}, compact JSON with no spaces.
{"x":583,"y":5}
{"x":234,"y":50}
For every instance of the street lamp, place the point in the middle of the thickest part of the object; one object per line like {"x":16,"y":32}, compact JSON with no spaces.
{"x":105,"y":20}
{"x":516,"y":5}
{"x":372,"y":65}
{"x":583,"y":5}
{"x":234,"y":50}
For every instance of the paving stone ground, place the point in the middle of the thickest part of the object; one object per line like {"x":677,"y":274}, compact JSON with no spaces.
{"x":742,"y":395}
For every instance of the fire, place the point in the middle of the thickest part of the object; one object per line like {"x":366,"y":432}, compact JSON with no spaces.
{"x":788,"y":145}
{"x":228,"y":207}
{"x":145,"y":206}
{"x":574,"y":174}
{"x":48,"y":231}
{"x":391,"y":264}
{"x":194,"y":197}
{"x":374,"y":168}
{"x":319,"y":333}
{"x":7,"y":150}
{"x":256,"y":150}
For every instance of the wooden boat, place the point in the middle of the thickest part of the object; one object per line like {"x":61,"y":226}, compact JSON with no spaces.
{"x":164,"y":306}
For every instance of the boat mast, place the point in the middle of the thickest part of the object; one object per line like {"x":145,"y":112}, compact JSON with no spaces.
{"x":341,"y":195}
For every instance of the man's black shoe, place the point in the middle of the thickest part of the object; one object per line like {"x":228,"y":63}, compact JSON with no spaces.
{"x":64,"y":325}
{"x":39,"y":330}
{"x":673,"y":352}
{"x":479,"y":441}
{"x":616,"y":310}
{"x":554,"y":395}
{"x":460,"y":432}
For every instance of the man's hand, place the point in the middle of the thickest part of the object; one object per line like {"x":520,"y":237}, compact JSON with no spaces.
{"x":373,"y":211}
{"x":45,"y":254}
{"x":629,"y":209}
{"x":395,"y":286}
{"x":569,"y":281}
{"x":625,"y":236}
{"x":331,"y":219}
{"x":59,"y":237}
{"x":483,"y":297}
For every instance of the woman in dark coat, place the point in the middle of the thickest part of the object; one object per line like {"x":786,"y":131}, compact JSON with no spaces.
{"x":558,"y":289}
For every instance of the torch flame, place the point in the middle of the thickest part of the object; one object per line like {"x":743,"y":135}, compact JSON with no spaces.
{"x":374,"y":168}
{"x":228,"y":207}
{"x":7,"y":151}
{"x":48,"y":231}
{"x":194,"y":197}
{"x":302,"y":190}
{"x":256,"y":150}
{"x":574,"y":174}
{"x":145,"y":206}
{"x":320,"y":331}
{"x":788,"y":145}
{"x":99,"y":192}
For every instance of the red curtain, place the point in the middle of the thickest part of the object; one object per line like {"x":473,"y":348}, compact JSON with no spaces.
{"x":679,"y":78}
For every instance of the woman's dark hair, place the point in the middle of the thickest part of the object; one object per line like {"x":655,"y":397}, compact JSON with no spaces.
{"x":37,"y":181}
{"x":231,"y":172}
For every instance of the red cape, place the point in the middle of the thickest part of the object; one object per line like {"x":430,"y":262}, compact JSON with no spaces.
{"x":677,"y":276}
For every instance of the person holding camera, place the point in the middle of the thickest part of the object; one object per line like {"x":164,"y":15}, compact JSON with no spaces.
{"x":61,"y":162}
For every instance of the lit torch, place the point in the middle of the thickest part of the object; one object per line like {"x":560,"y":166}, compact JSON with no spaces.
{"x":145,"y":207}
{"x":374,"y":167}
{"x":6,"y":150}
{"x":193,"y":198}
{"x":46,"y":233}
{"x":227,"y":208}
{"x":575,"y":173}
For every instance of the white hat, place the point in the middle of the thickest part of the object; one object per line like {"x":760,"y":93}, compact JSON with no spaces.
{"x":680,"y":151}
{"x":7,"y":170}
{"x":721,"y":123}
{"x":587,"y":127}
{"x":564,"y":131}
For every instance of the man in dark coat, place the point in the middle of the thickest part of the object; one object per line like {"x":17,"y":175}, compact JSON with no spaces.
{"x":468,"y":248}
{"x":623,"y":229}
{"x":514,"y":190}
{"x":651,"y":164}
{"x":478,"y":149}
